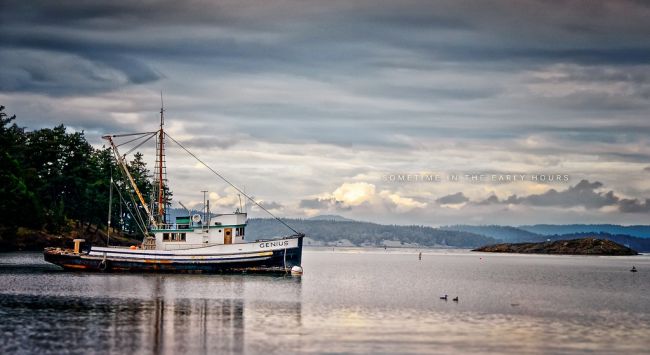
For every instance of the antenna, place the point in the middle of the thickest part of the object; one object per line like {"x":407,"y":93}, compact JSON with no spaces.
{"x":246,"y":202}
{"x":204,"y":206}
{"x":110,"y":206}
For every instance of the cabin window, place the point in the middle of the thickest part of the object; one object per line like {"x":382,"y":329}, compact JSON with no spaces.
{"x":239,"y":232}
{"x":178,"y":237}
{"x":174,"y":237}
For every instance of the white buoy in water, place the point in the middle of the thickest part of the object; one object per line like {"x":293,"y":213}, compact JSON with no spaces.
{"x":296,"y":270}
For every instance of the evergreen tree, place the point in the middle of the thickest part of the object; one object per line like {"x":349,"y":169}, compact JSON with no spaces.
{"x":18,"y":204}
{"x":51,"y":179}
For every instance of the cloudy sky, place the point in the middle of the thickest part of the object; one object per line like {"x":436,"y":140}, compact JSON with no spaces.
{"x":327,"y":107}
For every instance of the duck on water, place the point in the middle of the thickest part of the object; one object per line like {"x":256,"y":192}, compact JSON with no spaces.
{"x":199,"y":243}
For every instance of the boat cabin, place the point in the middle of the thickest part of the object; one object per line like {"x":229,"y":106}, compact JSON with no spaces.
{"x":192,"y":232}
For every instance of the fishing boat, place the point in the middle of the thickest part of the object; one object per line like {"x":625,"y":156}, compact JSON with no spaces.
{"x":191,"y":243}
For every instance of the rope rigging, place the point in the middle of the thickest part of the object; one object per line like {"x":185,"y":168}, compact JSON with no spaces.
{"x":140,"y":144}
{"x":120,"y":160}
{"x":131,"y":140}
{"x":231,"y":184}
{"x":139,"y":221}
{"x":138,"y":218}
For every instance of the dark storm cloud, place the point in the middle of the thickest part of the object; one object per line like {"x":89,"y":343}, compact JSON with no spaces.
{"x":316,"y":203}
{"x":453,"y":199}
{"x":583,"y":194}
{"x":122,"y":35}
{"x":634,"y":206}
{"x":323,"y":204}
{"x":107,"y":46}
{"x":57,"y":73}
{"x":534,"y":55}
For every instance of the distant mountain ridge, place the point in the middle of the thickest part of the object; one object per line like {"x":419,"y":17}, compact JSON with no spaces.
{"x":357,"y":233}
{"x":519,"y":235}
{"x":331,"y":217}
{"x":503,"y":233}
{"x":640,"y":231}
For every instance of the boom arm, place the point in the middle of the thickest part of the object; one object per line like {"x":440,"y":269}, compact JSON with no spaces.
{"x":122,"y":163}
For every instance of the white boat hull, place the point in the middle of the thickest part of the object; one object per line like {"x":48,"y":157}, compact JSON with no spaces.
{"x":278,"y":255}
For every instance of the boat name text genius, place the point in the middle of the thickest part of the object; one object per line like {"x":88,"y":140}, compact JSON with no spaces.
{"x":274,"y":244}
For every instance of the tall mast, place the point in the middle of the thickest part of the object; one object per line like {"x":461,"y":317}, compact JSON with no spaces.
{"x":161,"y":164}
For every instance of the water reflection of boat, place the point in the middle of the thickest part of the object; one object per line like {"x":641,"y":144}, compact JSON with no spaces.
{"x":217,"y":326}
{"x":156,"y":314}
{"x":190,"y":244}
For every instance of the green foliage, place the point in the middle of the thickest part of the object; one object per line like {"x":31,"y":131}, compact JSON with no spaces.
{"x":17,"y":202}
{"x":50,"y":177}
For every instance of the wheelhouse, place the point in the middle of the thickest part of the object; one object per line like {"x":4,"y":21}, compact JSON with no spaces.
{"x":192,"y":232}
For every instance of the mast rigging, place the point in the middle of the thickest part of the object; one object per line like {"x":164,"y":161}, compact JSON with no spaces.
{"x":160,"y":169}
{"x":122,"y":163}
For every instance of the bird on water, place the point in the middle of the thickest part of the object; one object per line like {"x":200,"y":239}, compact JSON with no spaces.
{"x":633,"y":269}
{"x":455,"y":299}
{"x":443,"y":297}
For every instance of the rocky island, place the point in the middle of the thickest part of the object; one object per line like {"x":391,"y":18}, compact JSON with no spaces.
{"x":582,"y":246}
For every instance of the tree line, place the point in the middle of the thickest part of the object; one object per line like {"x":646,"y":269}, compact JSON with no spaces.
{"x":54,"y":180}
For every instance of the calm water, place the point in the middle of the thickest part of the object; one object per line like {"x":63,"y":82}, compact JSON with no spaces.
{"x":348,"y":301}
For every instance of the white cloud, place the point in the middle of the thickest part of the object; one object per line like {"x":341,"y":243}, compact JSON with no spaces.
{"x":354,"y":194}
{"x":402,"y":204}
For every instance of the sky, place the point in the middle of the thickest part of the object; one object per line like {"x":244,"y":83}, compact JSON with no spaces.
{"x":400,"y":112}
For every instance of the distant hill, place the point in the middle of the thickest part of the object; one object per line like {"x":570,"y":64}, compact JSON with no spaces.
{"x":366,"y":234}
{"x":330,"y":217}
{"x":519,"y":235}
{"x":503,"y":233}
{"x":640,"y":231}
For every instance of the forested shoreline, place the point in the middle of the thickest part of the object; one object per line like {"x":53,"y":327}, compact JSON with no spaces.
{"x":54,"y":184}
